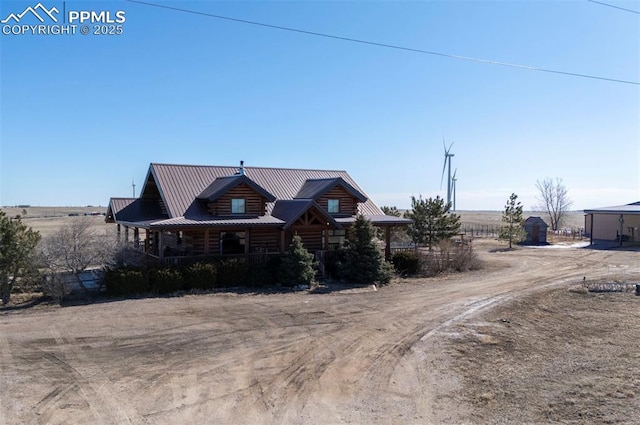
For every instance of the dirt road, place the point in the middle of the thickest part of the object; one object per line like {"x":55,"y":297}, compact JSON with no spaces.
{"x":359,"y":356}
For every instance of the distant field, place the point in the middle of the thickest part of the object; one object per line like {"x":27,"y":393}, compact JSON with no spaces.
{"x":48,"y":219}
{"x":575,"y":219}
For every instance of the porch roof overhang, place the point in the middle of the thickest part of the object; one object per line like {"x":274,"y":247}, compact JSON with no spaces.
{"x":208,"y":221}
{"x":377,"y":220}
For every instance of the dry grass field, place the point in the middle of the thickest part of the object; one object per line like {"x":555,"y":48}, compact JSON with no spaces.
{"x":575,"y":219}
{"x":519,"y":341}
{"x":47,"y":220}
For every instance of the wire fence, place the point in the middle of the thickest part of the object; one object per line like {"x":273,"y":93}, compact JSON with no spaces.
{"x":480,"y":230}
{"x":493,"y":231}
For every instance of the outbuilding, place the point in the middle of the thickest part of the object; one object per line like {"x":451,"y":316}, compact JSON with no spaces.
{"x":536,"y":230}
{"x":619,"y":224}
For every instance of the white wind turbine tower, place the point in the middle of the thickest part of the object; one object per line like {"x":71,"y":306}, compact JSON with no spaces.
{"x":133,"y":185}
{"x":447,"y":163}
{"x":453,"y":187}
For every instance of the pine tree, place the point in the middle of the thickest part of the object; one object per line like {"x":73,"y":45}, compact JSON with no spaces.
{"x":393,"y":211}
{"x":364,"y":262}
{"x":297,"y":265}
{"x":513,"y":219}
{"x":432,"y":221}
{"x":17,"y":253}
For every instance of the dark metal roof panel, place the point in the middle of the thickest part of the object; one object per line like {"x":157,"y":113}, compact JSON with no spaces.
{"x":290,"y":210}
{"x":312,"y":189}
{"x":134,"y":210}
{"x":222,"y":185}
{"x":181,"y":184}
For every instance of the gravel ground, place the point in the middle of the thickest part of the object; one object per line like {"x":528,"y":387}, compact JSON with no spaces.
{"x":507,"y":344}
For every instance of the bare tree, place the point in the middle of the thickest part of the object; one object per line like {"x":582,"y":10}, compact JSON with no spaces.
{"x":73,"y":249}
{"x":554,"y":200}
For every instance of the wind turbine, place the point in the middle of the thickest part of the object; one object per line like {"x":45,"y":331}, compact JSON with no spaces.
{"x":453,"y":187}
{"x":133,"y":185}
{"x":447,"y":162}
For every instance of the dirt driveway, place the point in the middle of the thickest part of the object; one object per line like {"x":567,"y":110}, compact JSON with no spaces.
{"x":406,"y":353}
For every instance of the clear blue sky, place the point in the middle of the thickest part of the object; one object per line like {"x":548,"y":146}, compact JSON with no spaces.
{"x":83,"y":115}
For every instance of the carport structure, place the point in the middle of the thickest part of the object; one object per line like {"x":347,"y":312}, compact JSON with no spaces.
{"x":619,"y":224}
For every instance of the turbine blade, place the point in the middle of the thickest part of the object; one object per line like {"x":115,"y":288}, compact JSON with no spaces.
{"x":444,"y":167}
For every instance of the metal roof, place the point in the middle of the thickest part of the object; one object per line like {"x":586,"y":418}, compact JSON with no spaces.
{"x":265,"y":220}
{"x":632,"y":208}
{"x":315,"y":188}
{"x":378,"y":219}
{"x":134,"y":210}
{"x":222,"y":185}
{"x":180,"y":185}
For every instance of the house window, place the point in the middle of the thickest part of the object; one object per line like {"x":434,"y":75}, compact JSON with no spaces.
{"x":333,"y":206}
{"x":238,"y":206}
{"x":232,"y":243}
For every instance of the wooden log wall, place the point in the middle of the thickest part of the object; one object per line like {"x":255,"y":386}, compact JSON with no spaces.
{"x":348,"y":204}
{"x":254,"y":203}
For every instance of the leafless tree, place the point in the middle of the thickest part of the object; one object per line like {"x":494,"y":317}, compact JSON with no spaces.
{"x":74,"y":248}
{"x":554,"y":200}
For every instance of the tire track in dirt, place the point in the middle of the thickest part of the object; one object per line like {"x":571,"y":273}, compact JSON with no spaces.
{"x":7,"y":376}
{"x":92,"y":384}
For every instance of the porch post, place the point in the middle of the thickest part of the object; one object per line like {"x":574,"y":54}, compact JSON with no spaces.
{"x":160,"y":244}
{"x":282,"y":233}
{"x":621,"y":220}
{"x":126,"y":235}
{"x":136,"y":238}
{"x":147,"y":237}
{"x":247,"y":241}
{"x":387,"y":247}
{"x":325,"y":237}
{"x":119,"y":233}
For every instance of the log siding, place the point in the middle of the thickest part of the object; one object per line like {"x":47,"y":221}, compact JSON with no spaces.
{"x":255,"y":205}
{"x":348,"y":204}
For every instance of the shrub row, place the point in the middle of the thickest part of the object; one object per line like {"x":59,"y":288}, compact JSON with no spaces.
{"x":448,"y":257}
{"x":125,"y":281}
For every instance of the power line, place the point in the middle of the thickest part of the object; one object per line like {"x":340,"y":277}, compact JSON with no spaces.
{"x":615,"y":7}
{"x":389,"y":46}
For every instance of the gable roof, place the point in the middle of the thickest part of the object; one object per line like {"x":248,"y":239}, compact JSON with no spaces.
{"x":315,"y":188}
{"x":222,"y":185}
{"x":180,"y":185}
{"x":292,"y":209}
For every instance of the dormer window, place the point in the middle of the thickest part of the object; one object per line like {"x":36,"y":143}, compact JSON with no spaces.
{"x":238,"y":206}
{"x":333,"y":206}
